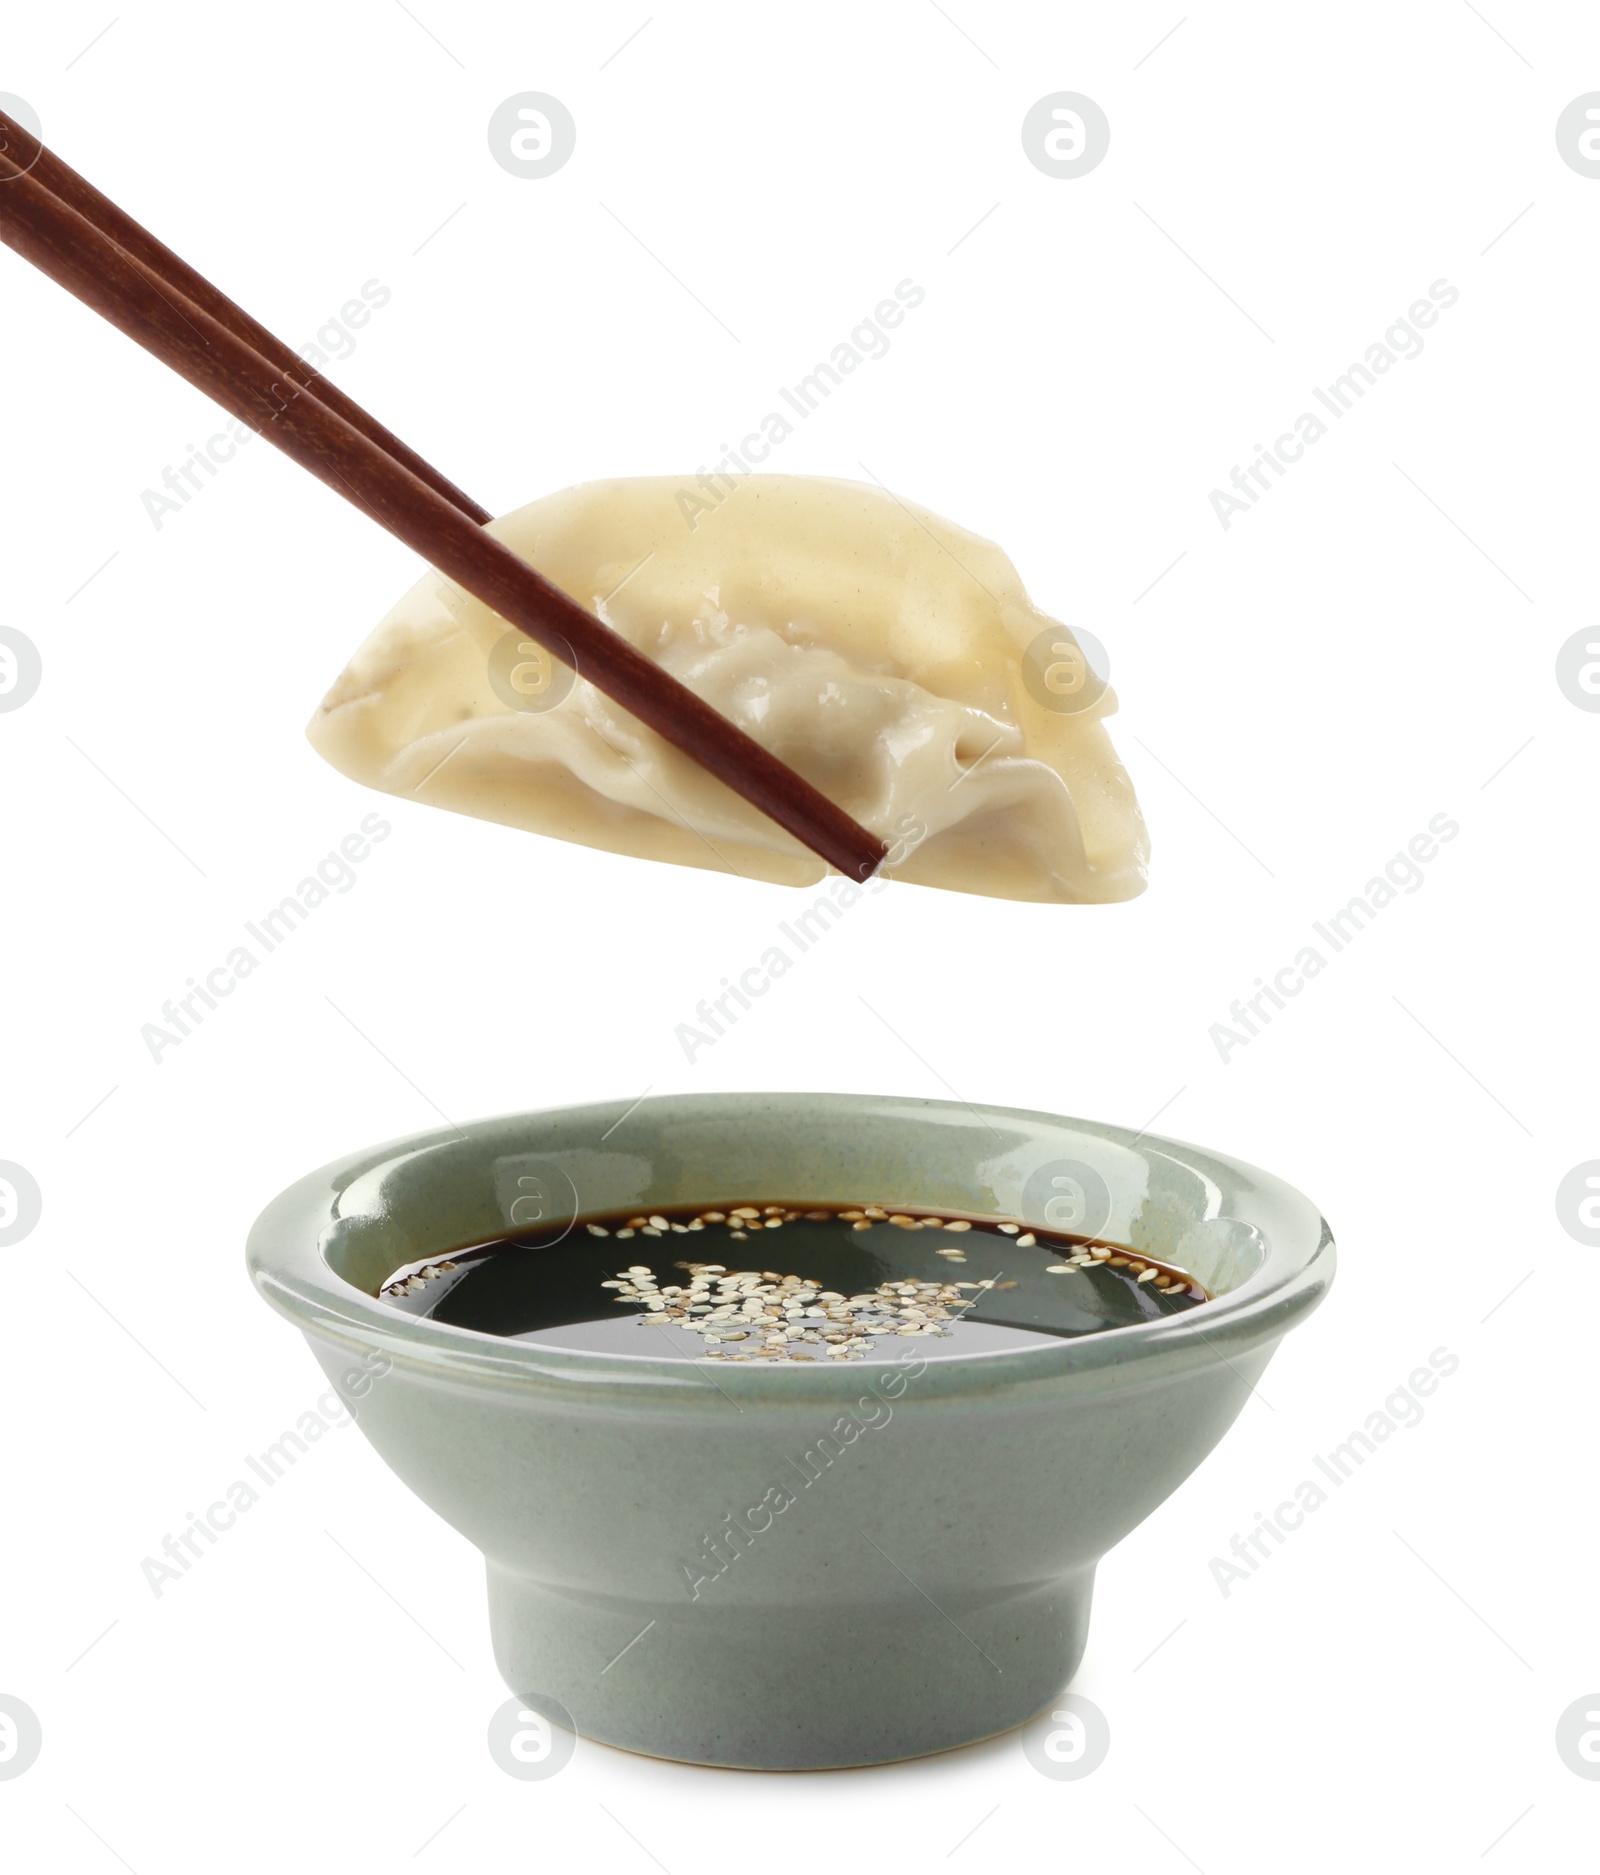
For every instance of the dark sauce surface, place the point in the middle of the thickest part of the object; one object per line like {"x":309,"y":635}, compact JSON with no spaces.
{"x":801,"y":1283}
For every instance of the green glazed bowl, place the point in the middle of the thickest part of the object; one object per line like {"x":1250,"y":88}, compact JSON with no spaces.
{"x":777,"y":1565}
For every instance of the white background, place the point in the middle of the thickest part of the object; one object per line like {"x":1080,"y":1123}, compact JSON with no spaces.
{"x":1371,"y":645}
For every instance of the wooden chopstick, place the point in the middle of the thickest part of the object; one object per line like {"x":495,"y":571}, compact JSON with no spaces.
{"x":282,"y":399}
{"x":171,"y":269}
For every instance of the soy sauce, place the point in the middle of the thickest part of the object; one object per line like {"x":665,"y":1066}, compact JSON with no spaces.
{"x":752,"y":1280}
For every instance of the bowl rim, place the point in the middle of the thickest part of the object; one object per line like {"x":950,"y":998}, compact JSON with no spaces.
{"x":286,"y":1262}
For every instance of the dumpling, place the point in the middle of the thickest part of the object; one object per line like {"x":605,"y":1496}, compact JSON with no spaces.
{"x":889,"y":656}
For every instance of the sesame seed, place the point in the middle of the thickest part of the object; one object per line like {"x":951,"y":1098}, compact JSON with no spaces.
{"x":777,"y":1315}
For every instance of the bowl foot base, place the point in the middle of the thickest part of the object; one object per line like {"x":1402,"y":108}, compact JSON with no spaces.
{"x":810,"y":1686}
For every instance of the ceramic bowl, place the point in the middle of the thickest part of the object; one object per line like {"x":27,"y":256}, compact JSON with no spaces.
{"x":775,"y":1565}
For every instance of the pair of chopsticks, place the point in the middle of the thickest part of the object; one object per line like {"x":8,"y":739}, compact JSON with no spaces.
{"x":60,"y":222}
